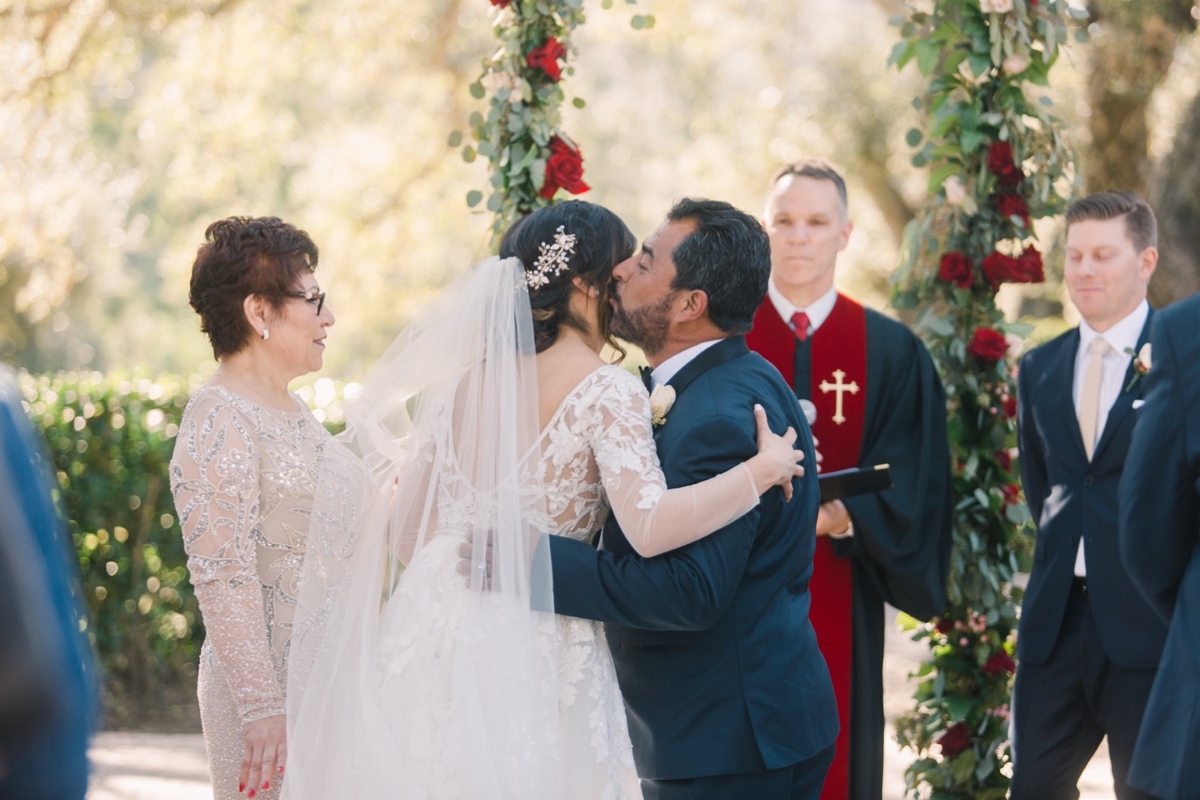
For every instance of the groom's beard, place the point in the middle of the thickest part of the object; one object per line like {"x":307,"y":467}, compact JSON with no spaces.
{"x":647,"y":327}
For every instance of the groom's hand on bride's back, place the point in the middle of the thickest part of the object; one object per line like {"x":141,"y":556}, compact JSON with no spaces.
{"x":476,"y":569}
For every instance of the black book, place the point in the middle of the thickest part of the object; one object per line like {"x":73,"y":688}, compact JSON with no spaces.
{"x":850,"y":482}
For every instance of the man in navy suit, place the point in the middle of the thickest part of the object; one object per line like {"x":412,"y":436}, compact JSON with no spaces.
{"x":727,"y":693}
{"x":1160,"y":545}
{"x":1088,"y":643}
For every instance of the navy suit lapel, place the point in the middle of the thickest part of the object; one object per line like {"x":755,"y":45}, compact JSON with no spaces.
{"x":1060,"y":395}
{"x":722,"y":351}
{"x":1124,"y":402}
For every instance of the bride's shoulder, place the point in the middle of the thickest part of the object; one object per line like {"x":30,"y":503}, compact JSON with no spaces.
{"x":611,"y":383}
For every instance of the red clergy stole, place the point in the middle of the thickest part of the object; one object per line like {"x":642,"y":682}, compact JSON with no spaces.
{"x":836,"y":357}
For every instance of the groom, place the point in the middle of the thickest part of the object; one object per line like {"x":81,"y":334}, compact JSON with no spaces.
{"x":727,"y":694}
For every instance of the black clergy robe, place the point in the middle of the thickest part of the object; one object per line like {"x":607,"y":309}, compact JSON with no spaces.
{"x":900,"y":550}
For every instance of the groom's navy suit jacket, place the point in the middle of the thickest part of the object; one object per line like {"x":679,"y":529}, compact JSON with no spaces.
{"x":716,"y":658}
{"x":1071,"y":497}
{"x":1160,"y":539}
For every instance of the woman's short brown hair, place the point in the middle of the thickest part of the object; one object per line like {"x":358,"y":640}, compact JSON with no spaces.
{"x":243,"y":256}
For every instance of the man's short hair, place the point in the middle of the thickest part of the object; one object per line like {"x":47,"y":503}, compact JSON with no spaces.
{"x":817,"y":169}
{"x":727,"y":256}
{"x":1140,"y":223}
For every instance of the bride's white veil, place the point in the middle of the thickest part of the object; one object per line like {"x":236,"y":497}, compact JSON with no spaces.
{"x":407,"y":679}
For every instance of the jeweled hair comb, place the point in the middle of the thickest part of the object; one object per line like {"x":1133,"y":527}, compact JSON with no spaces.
{"x":552,"y":259}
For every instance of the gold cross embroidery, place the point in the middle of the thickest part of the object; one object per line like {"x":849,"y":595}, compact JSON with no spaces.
{"x":840,"y":388}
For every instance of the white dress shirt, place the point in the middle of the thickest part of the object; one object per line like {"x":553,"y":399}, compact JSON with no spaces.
{"x":1122,"y":337}
{"x":667,"y":369}
{"x":818,"y":311}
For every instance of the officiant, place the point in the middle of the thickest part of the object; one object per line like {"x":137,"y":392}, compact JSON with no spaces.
{"x":878,"y":400}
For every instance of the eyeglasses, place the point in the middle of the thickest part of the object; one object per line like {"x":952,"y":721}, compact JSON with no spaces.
{"x":317,"y":299}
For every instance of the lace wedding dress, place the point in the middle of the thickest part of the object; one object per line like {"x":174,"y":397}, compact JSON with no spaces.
{"x":414,"y":682}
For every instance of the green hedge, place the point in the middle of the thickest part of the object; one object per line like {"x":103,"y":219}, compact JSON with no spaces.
{"x":111,"y":440}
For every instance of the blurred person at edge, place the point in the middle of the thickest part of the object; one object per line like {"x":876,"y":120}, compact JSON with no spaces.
{"x":48,"y":695}
{"x":248,"y":459}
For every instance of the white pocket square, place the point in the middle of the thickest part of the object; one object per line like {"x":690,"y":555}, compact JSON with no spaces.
{"x":1138,"y":403}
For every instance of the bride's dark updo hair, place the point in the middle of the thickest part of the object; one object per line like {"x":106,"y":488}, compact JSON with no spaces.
{"x":602,"y":241}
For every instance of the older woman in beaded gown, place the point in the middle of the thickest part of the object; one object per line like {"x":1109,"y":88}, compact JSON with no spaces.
{"x":248,"y":459}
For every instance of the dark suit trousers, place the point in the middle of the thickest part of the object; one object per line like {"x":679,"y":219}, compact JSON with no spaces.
{"x":1063,"y":708}
{"x":802,"y":781}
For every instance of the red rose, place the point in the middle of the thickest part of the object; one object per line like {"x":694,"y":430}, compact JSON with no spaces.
{"x":956,"y":268}
{"x":545,"y":57}
{"x":1011,"y":493}
{"x":944,"y":625}
{"x":1000,"y":163}
{"x":955,"y":740}
{"x":1003,"y":458}
{"x":1031,"y":265}
{"x":999,"y":268}
{"x":1026,"y":268}
{"x":1011,"y":205}
{"x":999,"y":663}
{"x":564,"y":169}
{"x":987,"y":344}
{"x":1008,"y":406}
{"x":501,"y":3}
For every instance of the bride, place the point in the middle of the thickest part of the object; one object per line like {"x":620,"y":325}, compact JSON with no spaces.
{"x":493,"y":412}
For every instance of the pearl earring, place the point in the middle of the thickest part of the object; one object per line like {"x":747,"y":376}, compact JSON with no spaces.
{"x":266,"y":334}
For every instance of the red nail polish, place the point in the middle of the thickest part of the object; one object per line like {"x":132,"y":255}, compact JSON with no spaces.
{"x":251,"y":794}
{"x":241,"y":787}
{"x":266,"y":784}
{"x":280,"y":770}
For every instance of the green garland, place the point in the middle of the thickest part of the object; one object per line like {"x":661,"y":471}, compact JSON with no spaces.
{"x":996,"y":161}
{"x":532,"y":159}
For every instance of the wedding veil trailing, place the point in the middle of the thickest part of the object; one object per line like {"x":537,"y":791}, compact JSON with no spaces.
{"x":406,"y":679}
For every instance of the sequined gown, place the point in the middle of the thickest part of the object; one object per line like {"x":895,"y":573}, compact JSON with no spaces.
{"x":243,"y":478}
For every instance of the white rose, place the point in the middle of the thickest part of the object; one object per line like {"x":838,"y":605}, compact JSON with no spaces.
{"x":496,"y":80}
{"x":956,"y":193}
{"x":1144,"y":356}
{"x":661,"y":400}
{"x":996,"y":6}
{"x":1015,"y":64}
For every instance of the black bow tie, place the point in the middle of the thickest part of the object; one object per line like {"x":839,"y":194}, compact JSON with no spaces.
{"x":646,"y":372}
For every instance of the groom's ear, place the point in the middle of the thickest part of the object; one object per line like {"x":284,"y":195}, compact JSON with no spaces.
{"x":694,"y":306}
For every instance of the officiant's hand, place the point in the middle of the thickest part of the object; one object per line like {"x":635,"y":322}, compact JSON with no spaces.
{"x":833,"y":519}
{"x":477,"y":574}
{"x":777,"y":462}
{"x":266,"y":754}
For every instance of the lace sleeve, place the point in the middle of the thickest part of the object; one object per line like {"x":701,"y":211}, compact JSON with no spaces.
{"x":655,"y":519}
{"x":215,"y":482}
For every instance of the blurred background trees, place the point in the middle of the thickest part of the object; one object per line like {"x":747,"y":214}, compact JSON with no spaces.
{"x":126,"y":126}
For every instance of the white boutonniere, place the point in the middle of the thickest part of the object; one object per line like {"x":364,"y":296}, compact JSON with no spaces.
{"x":1141,"y":364}
{"x":661,"y":400}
